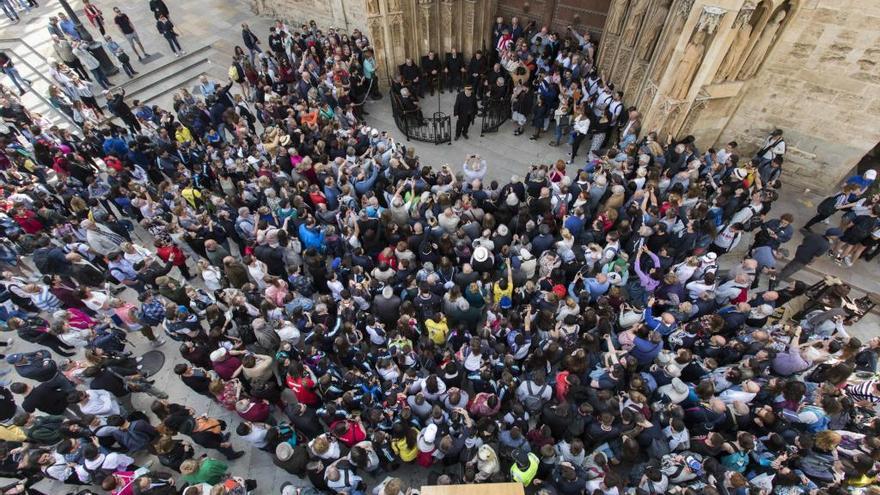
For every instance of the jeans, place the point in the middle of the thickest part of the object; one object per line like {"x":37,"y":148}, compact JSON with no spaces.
{"x":101,"y":78}
{"x":9,"y":10}
{"x":172,"y":42}
{"x":13,"y":74}
{"x":253,"y":53}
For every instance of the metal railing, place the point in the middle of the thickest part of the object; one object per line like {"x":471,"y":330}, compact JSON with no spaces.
{"x":435,"y":129}
{"x":495,"y":114}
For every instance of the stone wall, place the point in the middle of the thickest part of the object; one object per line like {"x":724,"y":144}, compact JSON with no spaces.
{"x":343,"y":14}
{"x":558,"y":14}
{"x":821,"y":84}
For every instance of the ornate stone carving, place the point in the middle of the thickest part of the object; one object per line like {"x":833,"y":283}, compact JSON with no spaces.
{"x":621,"y":64}
{"x":634,"y":22}
{"x":737,"y":49}
{"x":693,"y":115}
{"x":373,"y":7}
{"x":684,"y":8}
{"x":634,"y":81}
{"x":710,"y":17}
{"x":688,"y":66}
{"x":615,"y":18}
{"x":393,"y":6}
{"x":652,"y":29}
{"x":759,"y":52}
{"x":607,"y":55}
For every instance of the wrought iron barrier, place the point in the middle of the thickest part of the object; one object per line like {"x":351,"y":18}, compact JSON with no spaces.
{"x":495,"y":114}
{"x":435,"y":129}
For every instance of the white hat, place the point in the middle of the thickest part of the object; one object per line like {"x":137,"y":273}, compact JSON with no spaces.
{"x":673,"y":370}
{"x":374,"y":132}
{"x":740,"y":173}
{"x":665,"y":357}
{"x":677,"y":391}
{"x":614,"y":278}
{"x":709,"y":257}
{"x":481,"y":254}
{"x":219,"y":354}
{"x":387,"y":291}
{"x":426,"y":438}
{"x":871,"y":174}
{"x":525,"y":255}
{"x":502,"y":230}
{"x":511,"y":199}
{"x":284,"y":451}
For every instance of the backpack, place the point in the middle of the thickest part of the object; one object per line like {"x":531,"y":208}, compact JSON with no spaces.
{"x":737,"y":461}
{"x":753,"y":222}
{"x":533,"y":401}
{"x":286,"y":433}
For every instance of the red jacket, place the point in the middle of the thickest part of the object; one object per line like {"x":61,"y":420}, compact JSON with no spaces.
{"x":304,"y":388}
{"x":167,"y":250}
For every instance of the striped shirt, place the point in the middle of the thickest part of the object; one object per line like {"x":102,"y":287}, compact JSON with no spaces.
{"x":865,"y":391}
{"x":46,"y":301}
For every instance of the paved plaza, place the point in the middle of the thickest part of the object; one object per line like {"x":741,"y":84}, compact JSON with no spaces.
{"x":209,"y":30}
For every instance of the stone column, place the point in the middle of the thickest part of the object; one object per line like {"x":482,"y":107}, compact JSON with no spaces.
{"x":445,"y":26}
{"x":467,"y":26}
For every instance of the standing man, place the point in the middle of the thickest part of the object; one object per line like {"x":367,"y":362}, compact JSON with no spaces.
{"x":129,"y":32}
{"x":9,"y":69}
{"x":91,"y":63}
{"x":774,"y":146}
{"x":251,"y":42}
{"x":166,"y":29}
{"x":370,"y":73}
{"x":455,"y":70}
{"x":812,"y":247}
{"x":68,"y":27}
{"x":9,"y":10}
{"x":64,"y":51}
{"x":118,"y":107}
{"x":465,"y":109}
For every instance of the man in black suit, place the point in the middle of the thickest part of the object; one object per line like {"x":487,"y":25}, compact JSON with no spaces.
{"x":455,"y":70}
{"x":431,"y":72}
{"x":465,"y":109}
{"x":477,"y":70}
{"x":48,"y":397}
{"x":412,"y":77}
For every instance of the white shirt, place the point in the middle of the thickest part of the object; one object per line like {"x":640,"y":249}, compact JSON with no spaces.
{"x":100,"y":403}
{"x":777,"y":150}
{"x":582,"y":125}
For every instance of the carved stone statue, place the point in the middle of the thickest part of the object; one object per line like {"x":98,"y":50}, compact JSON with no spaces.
{"x":634,"y":21}
{"x":651,"y":32}
{"x":735,"y":53}
{"x":688,"y":66}
{"x":615,"y":16}
{"x":762,"y":47}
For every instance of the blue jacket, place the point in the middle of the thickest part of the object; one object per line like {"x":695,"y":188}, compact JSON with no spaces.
{"x":115,"y":146}
{"x":311,"y":238}
{"x":657,"y":324}
{"x":645,"y":351}
{"x":367,"y":184}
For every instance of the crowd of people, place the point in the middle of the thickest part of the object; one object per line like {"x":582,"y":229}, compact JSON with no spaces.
{"x":358,"y":311}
